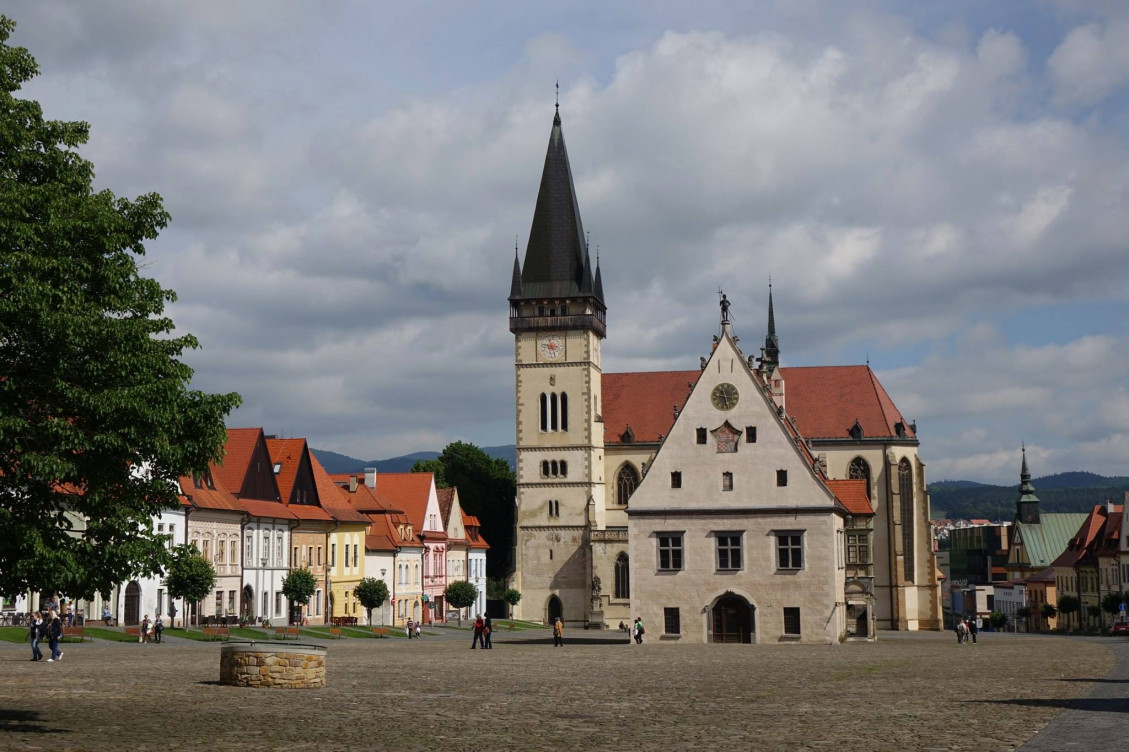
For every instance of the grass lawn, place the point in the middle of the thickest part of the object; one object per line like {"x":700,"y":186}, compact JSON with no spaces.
{"x":101,"y":633}
{"x":13,"y":634}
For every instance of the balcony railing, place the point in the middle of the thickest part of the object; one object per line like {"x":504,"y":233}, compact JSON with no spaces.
{"x":553,"y":323}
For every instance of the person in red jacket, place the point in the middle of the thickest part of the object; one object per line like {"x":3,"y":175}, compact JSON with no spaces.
{"x":478,"y":627}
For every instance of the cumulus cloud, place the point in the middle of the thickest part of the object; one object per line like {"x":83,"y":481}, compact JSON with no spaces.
{"x":345,"y":213}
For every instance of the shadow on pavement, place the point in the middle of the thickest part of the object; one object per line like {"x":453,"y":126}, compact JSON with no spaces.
{"x":1093,"y":704}
{"x":23,"y":722}
{"x":1098,"y":681}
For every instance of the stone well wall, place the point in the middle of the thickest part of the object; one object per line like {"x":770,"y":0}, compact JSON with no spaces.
{"x":258,"y":664}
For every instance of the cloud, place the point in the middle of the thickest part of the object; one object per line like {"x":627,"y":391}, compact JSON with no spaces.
{"x":344,"y":212}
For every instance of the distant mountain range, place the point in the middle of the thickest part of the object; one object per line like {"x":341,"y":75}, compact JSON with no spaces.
{"x":1062,"y":492}
{"x":341,"y":463}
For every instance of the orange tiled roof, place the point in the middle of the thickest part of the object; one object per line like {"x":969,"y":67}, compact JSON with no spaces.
{"x":274,"y":509}
{"x":471,"y":525}
{"x":824,"y":400}
{"x":238,"y":450}
{"x":446,"y":498}
{"x":309,"y":512}
{"x":209,"y":498}
{"x":364,"y":499}
{"x":287,"y":454}
{"x":407,"y":491}
{"x":332,"y":498}
{"x":852,"y":495}
{"x":1083,"y":540}
{"x":379,"y":543}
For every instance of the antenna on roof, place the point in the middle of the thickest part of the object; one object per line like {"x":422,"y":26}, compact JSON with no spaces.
{"x":558,"y":102}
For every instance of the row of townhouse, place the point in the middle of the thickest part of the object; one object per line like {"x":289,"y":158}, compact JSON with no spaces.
{"x":1094,"y":564}
{"x":270,"y":507}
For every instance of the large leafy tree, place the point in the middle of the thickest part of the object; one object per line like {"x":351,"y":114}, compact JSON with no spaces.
{"x":190,"y":576}
{"x":461,"y":594}
{"x":299,"y":586}
{"x":487,"y":489}
{"x":96,"y":417}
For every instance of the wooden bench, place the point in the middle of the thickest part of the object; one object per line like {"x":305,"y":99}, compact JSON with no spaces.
{"x":74,"y":632}
{"x":216,"y":633}
{"x":379,"y":631}
{"x":133,"y":632}
{"x":283,"y":633}
{"x":335,"y":632}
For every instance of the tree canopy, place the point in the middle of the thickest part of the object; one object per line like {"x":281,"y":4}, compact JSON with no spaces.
{"x":487,"y":489}
{"x":299,"y":586}
{"x":97,"y":421}
{"x":372,"y":593}
{"x":190,"y":575}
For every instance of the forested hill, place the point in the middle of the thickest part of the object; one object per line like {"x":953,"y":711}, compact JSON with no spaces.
{"x":1064,"y":492}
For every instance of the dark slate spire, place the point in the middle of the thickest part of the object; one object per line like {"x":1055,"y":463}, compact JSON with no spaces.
{"x":515,"y":285}
{"x":598,"y":285}
{"x":1027,"y":505}
{"x":770,"y":354}
{"x":556,"y":260}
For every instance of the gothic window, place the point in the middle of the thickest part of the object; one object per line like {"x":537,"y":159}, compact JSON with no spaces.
{"x":564,"y":411}
{"x":860,"y":470}
{"x":625,"y":484}
{"x":553,"y":423}
{"x":564,"y":469}
{"x":622,"y":578}
{"x":544,"y":468}
{"x":544,"y":412}
{"x":905,"y":491}
{"x":553,"y":467}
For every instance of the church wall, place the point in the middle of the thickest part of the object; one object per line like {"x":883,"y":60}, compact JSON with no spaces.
{"x":553,"y":561}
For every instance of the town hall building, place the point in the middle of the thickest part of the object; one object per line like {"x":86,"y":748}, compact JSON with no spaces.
{"x":739,"y":501}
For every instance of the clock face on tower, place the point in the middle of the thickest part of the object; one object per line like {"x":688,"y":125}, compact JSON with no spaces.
{"x":724,"y":396}
{"x":551,"y":347}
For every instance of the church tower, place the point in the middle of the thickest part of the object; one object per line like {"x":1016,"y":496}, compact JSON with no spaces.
{"x":1027,"y":505}
{"x":557,"y":317}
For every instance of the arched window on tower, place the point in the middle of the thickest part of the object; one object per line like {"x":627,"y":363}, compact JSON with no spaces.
{"x":905,"y":491}
{"x":626,"y":481}
{"x":564,"y":411}
{"x":564,"y":468}
{"x":554,"y":470}
{"x":553,"y":411}
{"x":544,"y":468}
{"x":860,"y":470}
{"x":544,"y":412}
{"x":622,"y":577}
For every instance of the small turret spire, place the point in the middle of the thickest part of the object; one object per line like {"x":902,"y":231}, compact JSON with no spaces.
{"x":1027,"y":505}
{"x":770,"y":353}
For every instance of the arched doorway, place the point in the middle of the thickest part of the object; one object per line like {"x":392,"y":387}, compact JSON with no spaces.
{"x":247,"y":609}
{"x":132,"y":603}
{"x":733,"y":619}
{"x":556,"y":610}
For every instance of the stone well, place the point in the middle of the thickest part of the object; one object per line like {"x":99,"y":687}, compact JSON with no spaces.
{"x":258,"y":664}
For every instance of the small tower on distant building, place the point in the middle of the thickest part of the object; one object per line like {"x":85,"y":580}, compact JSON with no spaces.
{"x":1027,"y":505}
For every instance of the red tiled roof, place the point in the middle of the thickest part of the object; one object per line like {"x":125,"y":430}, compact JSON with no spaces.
{"x":287,"y":454}
{"x":332,"y":498}
{"x":209,"y":498}
{"x":309,"y":512}
{"x":446,"y":498}
{"x":364,"y":499}
{"x":379,"y":543}
{"x":407,"y":491}
{"x":471,"y":525}
{"x":852,"y":495}
{"x":824,"y":400}
{"x":273,"y":509}
{"x":238,"y":450}
{"x":1082,"y":541}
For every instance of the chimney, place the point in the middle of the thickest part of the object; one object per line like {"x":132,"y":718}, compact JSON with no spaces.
{"x":352,"y":484}
{"x":370,"y":477}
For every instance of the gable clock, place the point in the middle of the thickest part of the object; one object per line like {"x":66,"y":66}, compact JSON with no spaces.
{"x":725,"y":396}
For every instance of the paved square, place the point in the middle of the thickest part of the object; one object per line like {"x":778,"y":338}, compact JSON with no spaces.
{"x":906,"y":692}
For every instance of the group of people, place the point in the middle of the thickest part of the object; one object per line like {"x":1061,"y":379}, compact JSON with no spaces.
{"x":966,"y":628}
{"x":150,"y":631}
{"x":482,"y":629}
{"x":50,"y":629}
{"x":635,"y":631}
{"x":413,"y":629}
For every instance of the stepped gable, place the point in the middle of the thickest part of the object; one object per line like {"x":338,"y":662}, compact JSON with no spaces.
{"x":852,"y":495}
{"x":824,"y":400}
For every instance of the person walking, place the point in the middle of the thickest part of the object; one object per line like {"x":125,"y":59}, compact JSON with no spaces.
{"x":411,"y":629}
{"x":35,"y":633}
{"x":477,"y":638}
{"x":558,"y":632}
{"x":143,"y":632}
{"x":974,"y":629}
{"x":107,"y":617}
{"x":487,"y":630}
{"x":54,"y":634}
{"x":158,"y":628}
{"x":638,"y":630}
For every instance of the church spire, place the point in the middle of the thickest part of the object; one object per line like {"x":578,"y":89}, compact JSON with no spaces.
{"x":770,"y":353}
{"x":1027,"y":505}
{"x":515,"y":283}
{"x":556,"y":259}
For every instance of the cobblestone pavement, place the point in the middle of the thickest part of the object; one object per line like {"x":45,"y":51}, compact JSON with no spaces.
{"x":1098,"y":721}
{"x":909,"y":691}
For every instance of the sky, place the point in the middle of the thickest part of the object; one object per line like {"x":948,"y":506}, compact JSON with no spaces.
{"x":938,"y":189}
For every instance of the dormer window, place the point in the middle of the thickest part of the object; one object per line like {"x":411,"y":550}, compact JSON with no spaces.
{"x":277,"y":468}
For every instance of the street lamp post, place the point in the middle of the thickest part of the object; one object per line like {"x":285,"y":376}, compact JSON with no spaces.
{"x":382,"y":572}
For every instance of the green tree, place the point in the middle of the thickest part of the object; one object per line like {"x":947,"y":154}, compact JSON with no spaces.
{"x":461,"y":594}
{"x":997,"y":619}
{"x":1111,"y":602}
{"x":512,"y":597}
{"x":190,"y":576}
{"x":97,"y":422}
{"x":299,"y":586}
{"x":434,"y":466}
{"x":1048,"y":611}
{"x":1069,"y":604}
{"x":487,"y":489}
{"x":372,"y":593}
